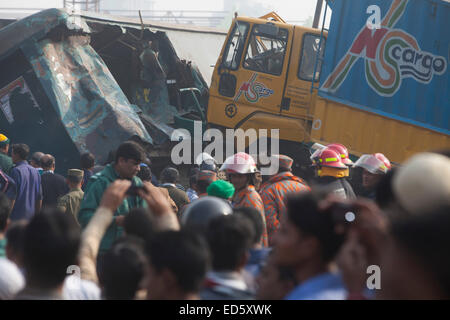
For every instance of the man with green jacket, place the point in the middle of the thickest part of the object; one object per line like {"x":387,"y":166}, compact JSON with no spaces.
{"x":129,"y":155}
{"x":6,"y":163}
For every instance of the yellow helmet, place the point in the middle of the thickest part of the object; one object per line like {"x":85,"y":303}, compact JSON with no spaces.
{"x":3,"y":140}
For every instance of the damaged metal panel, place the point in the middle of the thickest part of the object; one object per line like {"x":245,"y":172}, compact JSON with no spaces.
{"x":91,"y":105}
{"x":87,"y":69}
{"x":36,"y":26}
{"x":158,"y":91}
{"x":201,"y":45}
{"x":85,"y":96}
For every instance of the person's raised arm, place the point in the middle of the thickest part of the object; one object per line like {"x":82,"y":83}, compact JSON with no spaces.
{"x":97,"y":226}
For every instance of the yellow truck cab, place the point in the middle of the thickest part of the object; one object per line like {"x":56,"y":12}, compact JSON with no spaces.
{"x":263,"y":78}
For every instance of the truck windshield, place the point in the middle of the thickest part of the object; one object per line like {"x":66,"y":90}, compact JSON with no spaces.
{"x":235,"y":46}
{"x":265,"y":52}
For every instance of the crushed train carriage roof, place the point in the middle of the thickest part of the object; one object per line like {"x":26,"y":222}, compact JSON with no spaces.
{"x":90,"y":102}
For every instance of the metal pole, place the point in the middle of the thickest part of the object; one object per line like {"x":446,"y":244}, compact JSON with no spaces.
{"x":317,"y":14}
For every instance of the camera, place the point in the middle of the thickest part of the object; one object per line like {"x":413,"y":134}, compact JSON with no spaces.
{"x":343,"y":213}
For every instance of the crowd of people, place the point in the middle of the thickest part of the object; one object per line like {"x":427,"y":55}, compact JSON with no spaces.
{"x":124,"y":231}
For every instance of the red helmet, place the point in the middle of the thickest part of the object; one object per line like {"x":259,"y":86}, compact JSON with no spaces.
{"x":330,"y":158}
{"x":342,"y":151}
{"x":374,"y":163}
{"x":383,"y":159}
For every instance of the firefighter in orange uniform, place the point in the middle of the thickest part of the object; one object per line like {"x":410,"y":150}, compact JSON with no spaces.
{"x":241,"y":169}
{"x":274,"y":192}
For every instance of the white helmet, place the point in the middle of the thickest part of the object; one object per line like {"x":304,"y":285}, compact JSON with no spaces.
{"x":241,"y":163}
{"x":374,"y":163}
{"x":316,"y":150}
{"x":204,"y":157}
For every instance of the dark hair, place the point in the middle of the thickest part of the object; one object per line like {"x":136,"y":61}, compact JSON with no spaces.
{"x":193,"y":171}
{"x":51,"y":244}
{"x":304,"y":213}
{"x":145,"y":174}
{"x":4,"y":211}
{"x":253,"y":180}
{"x":130,"y":150}
{"x":183,"y":253}
{"x":15,"y":236}
{"x":21,"y":149}
{"x":202,"y":185}
{"x":169,"y":175}
{"x":47,"y":161}
{"x":287,"y":274}
{"x":75,"y":179}
{"x":36,"y":157}
{"x":122,"y":269}
{"x":193,"y":181}
{"x":384,"y":193}
{"x":139,"y":223}
{"x":427,"y":237}
{"x":87,"y":160}
{"x":229,"y":238}
{"x":255,"y":218}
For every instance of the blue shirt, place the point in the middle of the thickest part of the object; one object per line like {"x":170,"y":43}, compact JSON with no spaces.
{"x":192,"y":194}
{"x":326,"y":286}
{"x":29,"y":190}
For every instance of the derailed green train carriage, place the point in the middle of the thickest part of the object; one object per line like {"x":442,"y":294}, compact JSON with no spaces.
{"x":71,"y":83}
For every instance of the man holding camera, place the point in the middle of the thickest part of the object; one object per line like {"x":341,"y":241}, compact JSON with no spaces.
{"x":127,"y":162}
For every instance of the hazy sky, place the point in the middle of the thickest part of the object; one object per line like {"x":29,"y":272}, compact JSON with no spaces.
{"x":292,"y":10}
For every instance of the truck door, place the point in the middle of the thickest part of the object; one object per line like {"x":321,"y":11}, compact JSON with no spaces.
{"x":297,"y":95}
{"x":252,"y":72}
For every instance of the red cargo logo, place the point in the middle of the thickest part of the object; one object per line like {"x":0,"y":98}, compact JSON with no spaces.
{"x":390,"y":55}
